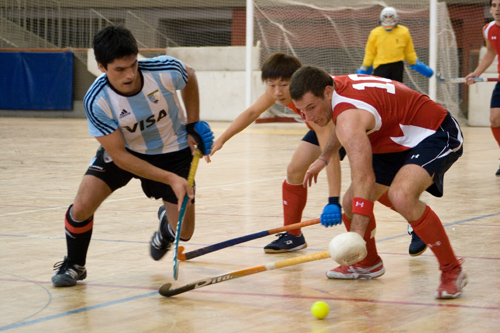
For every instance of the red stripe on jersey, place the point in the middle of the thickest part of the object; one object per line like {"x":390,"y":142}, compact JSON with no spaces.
{"x":403,"y":116}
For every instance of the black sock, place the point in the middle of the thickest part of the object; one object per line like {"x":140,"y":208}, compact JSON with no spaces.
{"x":78,"y":235}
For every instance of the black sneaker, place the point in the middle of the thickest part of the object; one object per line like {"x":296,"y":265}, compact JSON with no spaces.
{"x":286,"y":243}
{"x":162,"y":240}
{"x":68,"y":273}
{"x":417,"y":246}
{"x":498,"y":173}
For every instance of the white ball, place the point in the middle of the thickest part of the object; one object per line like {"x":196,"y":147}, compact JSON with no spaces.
{"x":347,"y":248}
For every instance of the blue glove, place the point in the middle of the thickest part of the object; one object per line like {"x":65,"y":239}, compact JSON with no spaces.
{"x":364,"y":70}
{"x":422,"y":68}
{"x":332,"y":214}
{"x":203,"y":135}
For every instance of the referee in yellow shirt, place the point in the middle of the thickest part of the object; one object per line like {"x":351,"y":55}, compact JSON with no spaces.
{"x":388,"y":45}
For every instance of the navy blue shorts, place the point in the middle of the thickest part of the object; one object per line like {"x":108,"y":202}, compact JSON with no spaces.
{"x":495,"y":97}
{"x":436,"y":154}
{"x":312,"y":138}
{"x":103,"y":167}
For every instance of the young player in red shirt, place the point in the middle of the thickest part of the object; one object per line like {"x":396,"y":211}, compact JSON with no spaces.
{"x":276,"y":73}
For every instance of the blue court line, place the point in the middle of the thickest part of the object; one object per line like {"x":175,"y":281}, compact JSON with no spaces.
{"x":68,"y":313}
{"x":444,"y":225}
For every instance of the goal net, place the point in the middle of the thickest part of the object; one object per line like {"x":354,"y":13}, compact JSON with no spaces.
{"x":333,"y":35}
{"x":328,"y":33}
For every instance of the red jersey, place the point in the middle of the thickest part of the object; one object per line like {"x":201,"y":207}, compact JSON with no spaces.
{"x":292,"y":107}
{"x":403,"y":117}
{"x":492,"y":34}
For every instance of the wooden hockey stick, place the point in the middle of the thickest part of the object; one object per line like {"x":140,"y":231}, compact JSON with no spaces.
{"x":190,"y":180}
{"x":242,"y":239}
{"x":165,"y":289}
{"x":442,"y":79}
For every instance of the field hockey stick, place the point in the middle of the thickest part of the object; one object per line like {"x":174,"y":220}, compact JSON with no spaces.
{"x":442,"y":79}
{"x":165,"y":289}
{"x":239,"y":240}
{"x":190,"y":180}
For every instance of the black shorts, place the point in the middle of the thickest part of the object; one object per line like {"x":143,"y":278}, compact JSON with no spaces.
{"x":393,"y":71}
{"x":495,"y":97}
{"x":103,"y":167}
{"x":436,"y":154}
{"x":312,"y":138}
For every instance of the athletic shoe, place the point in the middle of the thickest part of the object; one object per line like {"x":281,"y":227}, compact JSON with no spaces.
{"x":286,"y":243}
{"x":417,"y":246}
{"x":498,"y":173}
{"x":452,"y":282}
{"x":68,"y":273}
{"x":161,"y":240}
{"x":357,"y":271}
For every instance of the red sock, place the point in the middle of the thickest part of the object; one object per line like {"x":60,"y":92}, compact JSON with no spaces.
{"x":384,"y":200}
{"x":372,"y":255}
{"x":294,"y":202}
{"x":496,"y":134}
{"x":430,"y":229}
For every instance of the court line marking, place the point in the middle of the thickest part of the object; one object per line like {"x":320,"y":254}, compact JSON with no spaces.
{"x":64,"y":314}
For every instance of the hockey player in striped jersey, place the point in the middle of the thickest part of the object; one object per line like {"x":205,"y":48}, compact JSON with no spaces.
{"x":135,"y":114}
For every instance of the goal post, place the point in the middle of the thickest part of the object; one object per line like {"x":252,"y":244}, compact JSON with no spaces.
{"x":333,"y":35}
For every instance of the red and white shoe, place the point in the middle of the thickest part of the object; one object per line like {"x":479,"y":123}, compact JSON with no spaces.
{"x":452,"y":282}
{"x":357,"y":271}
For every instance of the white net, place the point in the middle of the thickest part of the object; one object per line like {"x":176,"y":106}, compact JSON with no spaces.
{"x":328,"y":33}
{"x":333,"y":34}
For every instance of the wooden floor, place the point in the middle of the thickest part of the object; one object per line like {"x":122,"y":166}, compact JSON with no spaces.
{"x":239,"y":193}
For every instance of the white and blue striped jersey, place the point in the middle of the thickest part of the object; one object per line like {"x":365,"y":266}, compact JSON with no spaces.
{"x":152,"y":121}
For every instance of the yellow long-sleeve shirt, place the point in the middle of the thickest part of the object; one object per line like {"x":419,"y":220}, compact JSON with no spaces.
{"x":384,"y":47}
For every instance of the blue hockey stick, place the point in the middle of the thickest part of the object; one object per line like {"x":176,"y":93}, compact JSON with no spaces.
{"x":192,"y":172}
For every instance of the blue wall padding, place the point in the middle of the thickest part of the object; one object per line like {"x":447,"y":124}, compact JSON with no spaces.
{"x":36,"y":81}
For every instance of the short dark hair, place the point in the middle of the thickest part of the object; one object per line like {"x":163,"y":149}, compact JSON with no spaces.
{"x":279,"y":65}
{"x":114,"y":42}
{"x":309,"y":79}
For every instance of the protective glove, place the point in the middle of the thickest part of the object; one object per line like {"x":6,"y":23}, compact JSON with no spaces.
{"x":364,"y":70}
{"x":332,"y":213}
{"x":203,"y":135}
{"x":422,"y":68}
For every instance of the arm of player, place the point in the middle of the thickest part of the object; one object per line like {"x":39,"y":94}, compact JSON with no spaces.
{"x":332,"y":212}
{"x":351,"y":128}
{"x":246,"y":118}
{"x":370,"y":52}
{"x":485,"y":62}
{"x":331,"y":147}
{"x":114,"y":145}
{"x":409,"y":51}
{"x":191,"y":97}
